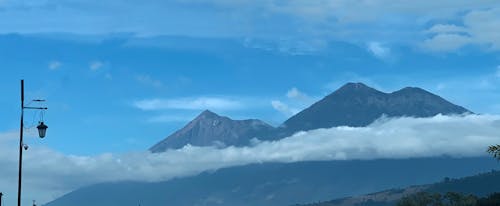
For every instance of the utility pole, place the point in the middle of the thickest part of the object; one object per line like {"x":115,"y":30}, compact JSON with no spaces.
{"x":21,"y":146}
{"x":41,"y":131}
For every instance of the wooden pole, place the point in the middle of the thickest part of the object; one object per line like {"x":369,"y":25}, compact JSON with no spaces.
{"x":20,"y":146}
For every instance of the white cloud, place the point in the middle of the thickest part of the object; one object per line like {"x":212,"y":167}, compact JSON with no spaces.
{"x":441,"y":86}
{"x":296,"y":101}
{"x":294,"y":93}
{"x":54,"y":65}
{"x":393,"y":21}
{"x":290,"y":46}
{"x":48,"y":173}
{"x":299,"y":20}
{"x":148,"y":80}
{"x":483,"y":27}
{"x":196,"y":103}
{"x":446,"y":42}
{"x":446,"y":28}
{"x":170,"y":118}
{"x":284,"y":108}
{"x":349,"y":10}
{"x":379,"y":50}
{"x":96,"y":65}
{"x":480,"y":28}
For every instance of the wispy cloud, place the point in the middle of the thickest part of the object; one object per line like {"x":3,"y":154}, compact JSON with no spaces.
{"x":379,"y":50}
{"x":478,"y":29}
{"x":296,"y":101}
{"x":446,"y":42}
{"x":441,"y":86}
{"x":284,"y":108}
{"x":190,"y":103}
{"x":95,"y":65}
{"x":299,"y":20}
{"x":294,"y":93}
{"x":171,"y":118}
{"x":148,"y":80}
{"x":54,"y":65}
{"x":446,"y":28}
{"x":51,"y":173}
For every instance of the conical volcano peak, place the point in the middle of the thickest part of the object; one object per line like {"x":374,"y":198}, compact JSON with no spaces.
{"x":358,"y":105}
{"x":355,"y":87}
{"x":207,"y":114}
{"x":411,"y":90}
{"x":210,"y":129}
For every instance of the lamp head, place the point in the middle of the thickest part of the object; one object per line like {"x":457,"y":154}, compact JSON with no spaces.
{"x":42,"y":129}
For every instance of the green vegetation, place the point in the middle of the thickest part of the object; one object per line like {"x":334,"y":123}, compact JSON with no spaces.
{"x":448,"y":199}
{"x":436,"y":199}
{"x":480,"y":185}
{"x":495,"y":151}
{"x":449,"y":192}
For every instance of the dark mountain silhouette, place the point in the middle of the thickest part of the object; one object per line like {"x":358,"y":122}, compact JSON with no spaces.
{"x":354,"y":104}
{"x":211,"y":129}
{"x":358,"y":105}
{"x":282,"y":184}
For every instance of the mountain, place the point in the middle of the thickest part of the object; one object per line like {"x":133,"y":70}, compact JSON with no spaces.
{"x":354,"y":104}
{"x":280,"y":184}
{"x":480,"y":185}
{"x":283,"y":184}
{"x":358,"y":105}
{"x":210,"y":129}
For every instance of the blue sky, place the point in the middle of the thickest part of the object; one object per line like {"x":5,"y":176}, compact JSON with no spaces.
{"x":121,"y":75}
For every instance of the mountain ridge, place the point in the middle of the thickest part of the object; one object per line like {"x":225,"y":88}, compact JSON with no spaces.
{"x":353,"y":104}
{"x":358,"y":105}
{"x":210,"y":129}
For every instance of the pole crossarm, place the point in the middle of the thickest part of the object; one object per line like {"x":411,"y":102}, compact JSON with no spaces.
{"x":40,"y":108}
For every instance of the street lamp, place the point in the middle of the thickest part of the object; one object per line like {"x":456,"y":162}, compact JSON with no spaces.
{"x":42,"y":129}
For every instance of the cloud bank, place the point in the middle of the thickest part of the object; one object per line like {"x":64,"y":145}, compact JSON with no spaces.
{"x":294,"y":21}
{"x":48,"y":173}
{"x":190,"y":103}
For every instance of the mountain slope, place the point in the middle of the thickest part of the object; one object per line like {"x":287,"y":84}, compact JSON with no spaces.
{"x":480,"y":185}
{"x":210,"y":129}
{"x":358,"y":105}
{"x":278,"y":184}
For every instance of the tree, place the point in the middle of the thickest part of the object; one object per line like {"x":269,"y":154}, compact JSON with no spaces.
{"x":422,"y":199}
{"x":492,"y":200}
{"x":436,"y":199}
{"x":495,"y":151}
{"x":457,"y":199}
